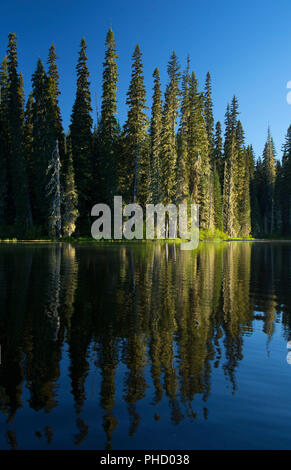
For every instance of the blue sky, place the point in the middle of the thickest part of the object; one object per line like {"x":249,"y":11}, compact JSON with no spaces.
{"x":246,"y":46}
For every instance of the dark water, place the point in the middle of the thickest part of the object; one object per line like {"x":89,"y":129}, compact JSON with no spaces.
{"x":145,"y":347}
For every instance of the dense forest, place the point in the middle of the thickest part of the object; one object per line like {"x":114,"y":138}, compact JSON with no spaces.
{"x":50,"y":179}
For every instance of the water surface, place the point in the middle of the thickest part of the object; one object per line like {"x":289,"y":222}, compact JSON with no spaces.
{"x":145,"y":346}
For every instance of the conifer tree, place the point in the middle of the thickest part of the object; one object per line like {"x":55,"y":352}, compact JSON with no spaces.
{"x":198,"y":155}
{"x":230,"y":202}
{"x":156,"y":134}
{"x":28,"y":142}
{"x":170,"y":116}
{"x":258,"y":185}
{"x":269,"y":173}
{"x":217,"y":196}
{"x":254,"y":204}
{"x":208,"y":112}
{"x":286,"y":183}
{"x":54,"y":79}
{"x":53,"y":193}
{"x":133,"y":162}
{"x":4,"y":148}
{"x":81,"y":139}
{"x":20,"y":209}
{"x":109,"y":129}
{"x":69,"y":196}
{"x":182,"y":183}
{"x":218,"y":151}
{"x":43,"y":145}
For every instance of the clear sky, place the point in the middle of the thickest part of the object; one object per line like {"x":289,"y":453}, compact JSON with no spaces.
{"x":245,"y":45}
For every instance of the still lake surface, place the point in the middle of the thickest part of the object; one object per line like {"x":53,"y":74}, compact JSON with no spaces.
{"x":145,"y":346}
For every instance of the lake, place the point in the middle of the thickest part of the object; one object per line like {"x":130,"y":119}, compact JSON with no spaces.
{"x":145,"y":346}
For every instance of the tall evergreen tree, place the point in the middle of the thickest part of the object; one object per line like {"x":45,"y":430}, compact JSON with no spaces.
{"x":133,"y":163}
{"x":16,"y":161}
{"x":81,"y":138}
{"x":28,"y":142}
{"x":208,"y":112}
{"x":156,"y":135}
{"x":109,"y":129}
{"x":198,"y":155}
{"x":43,"y":145}
{"x":69,"y":195}
{"x":4,"y":147}
{"x":218,"y":152}
{"x":170,"y":116}
{"x":54,"y":79}
{"x":53,"y":193}
{"x":269,"y":172}
{"x":230,"y":202}
{"x":286,"y":183}
{"x":182,"y":184}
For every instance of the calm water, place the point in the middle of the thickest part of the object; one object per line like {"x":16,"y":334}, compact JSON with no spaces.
{"x":145,"y":347}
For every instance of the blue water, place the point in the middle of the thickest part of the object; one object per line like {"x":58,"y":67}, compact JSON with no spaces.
{"x":145,"y":347}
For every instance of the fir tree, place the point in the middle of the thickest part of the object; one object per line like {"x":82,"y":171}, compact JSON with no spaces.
{"x":4,"y":148}
{"x":156,"y":134}
{"x":269,"y":172}
{"x":28,"y":142}
{"x":182,"y":184}
{"x":208,"y":112}
{"x":81,"y":138}
{"x":69,"y":196}
{"x":109,"y":129}
{"x":133,"y":167}
{"x":54,"y":78}
{"x":43,"y":145}
{"x":198,"y":155}
{"x":170,"y":116}
{"x":20,"y":210}
{"x":53,"y":193}
{"x":286,"y":183}
{"x":230,"y":199}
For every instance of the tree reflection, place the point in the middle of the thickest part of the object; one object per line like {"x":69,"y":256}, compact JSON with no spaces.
{"x":150,"y":320}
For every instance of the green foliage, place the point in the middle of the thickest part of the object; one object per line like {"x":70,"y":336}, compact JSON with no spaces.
{"x":81,"y":138}
{"x":132,"y":156}
{"x":144,"y":163}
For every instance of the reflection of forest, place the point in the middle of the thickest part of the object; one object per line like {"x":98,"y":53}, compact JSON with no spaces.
{"x":178,"y":313}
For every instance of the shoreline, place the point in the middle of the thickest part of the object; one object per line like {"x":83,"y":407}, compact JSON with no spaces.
{"x":163,"y":241}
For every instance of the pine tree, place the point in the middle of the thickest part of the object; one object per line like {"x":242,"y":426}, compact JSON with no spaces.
{"x":269,"y":172}
{"x":16,"y":160}
{"x":217,"y":193}
{"x":109,"y":129}
{"x":53,"y":193}
{"x":286,"y":183}
{"x":170,"y":116}
{"x":279,"y":199}
{"x":156,"y":134}
{"x":230,"y":198}
{"x":81,"y":138}
{"x":28,"y":142}
{"x":182,"y":183}
{"x":69,"y":196}
{"x":198,"y":155}
{"x":133,"y":166}
{"x":218,"y":151}
{"x":208,"y":112}
{"x":257,"y":210}
{"x":54,"y":79}
{"x":4,"y":148}
{"x":254,"y":204}
{"x":43,"y":145}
